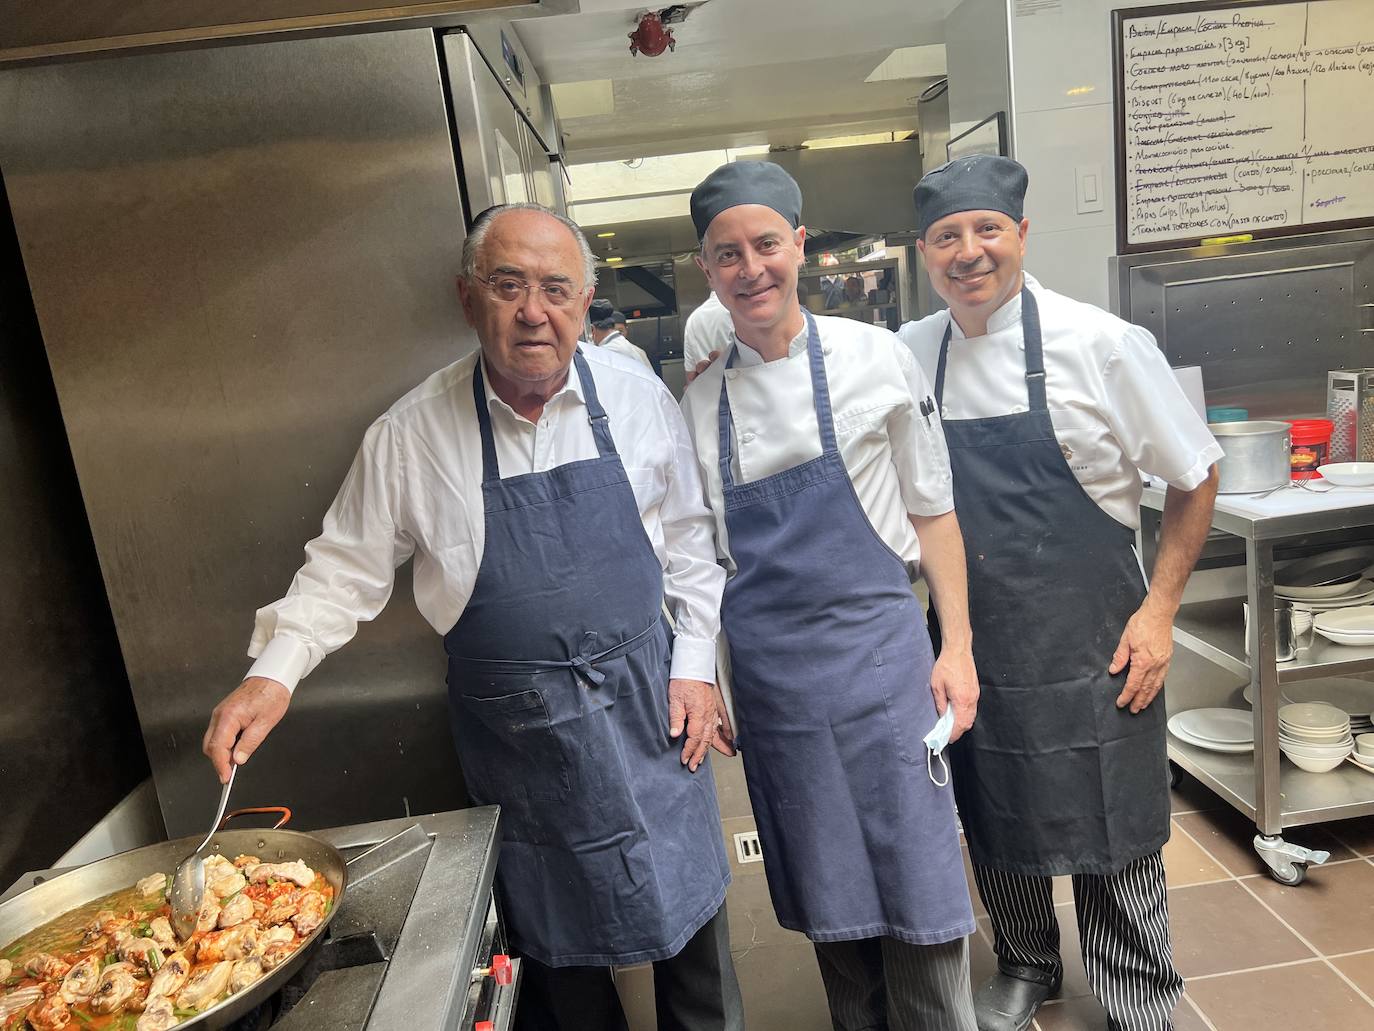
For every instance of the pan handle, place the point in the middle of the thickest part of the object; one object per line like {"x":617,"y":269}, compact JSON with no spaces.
{"x":281,"y":809}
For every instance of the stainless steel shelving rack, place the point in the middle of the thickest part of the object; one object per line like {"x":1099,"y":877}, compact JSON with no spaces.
{"x":1274,"y":795}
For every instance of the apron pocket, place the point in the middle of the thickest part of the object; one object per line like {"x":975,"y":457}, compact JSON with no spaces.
{"x":897,"y":678}
{"x":530,"y":758}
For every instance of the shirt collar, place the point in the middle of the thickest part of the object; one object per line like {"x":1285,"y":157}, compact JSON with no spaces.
{"x":748,"y":356}
{"x":569,"y":393}
{"x":1005,"y":317}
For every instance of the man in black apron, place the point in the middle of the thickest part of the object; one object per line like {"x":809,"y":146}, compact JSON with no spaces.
{"x":544,"y":565}
{"x":1065,"y":771}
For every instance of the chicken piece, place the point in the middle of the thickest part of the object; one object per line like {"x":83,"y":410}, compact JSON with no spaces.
{"x":204,"y":987}
{"x":169,"y":978}
{"x":106,"y":924}
{"x":222,"y":878}
{"x":153,"y":884}
{"x":50,"y":1015}
{"x":245,"y":972}
{"x":309,"y":913}
{"x":297,"y":872}
{"x":246,"y":862}
{"x":17,"y":1001}
{"x":282,"y":909}
{"x":116,"y":985}
{"x":139,"y":1000}
{"x":284,"y":934}
{"x":275,"y":954}
{"x":46,"y":967}
{"x":160,"y":928}
{"x":137,"y":950}
{"x":158,"y":1015}
{"x":209,"y":913}
{"x":81,"y":979}
{"x":5,"y":967}
{"x":235,"y":911}
{"x":236,"y":943}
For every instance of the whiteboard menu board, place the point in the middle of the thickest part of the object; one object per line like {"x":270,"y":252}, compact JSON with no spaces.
{"x":1242,"y":118}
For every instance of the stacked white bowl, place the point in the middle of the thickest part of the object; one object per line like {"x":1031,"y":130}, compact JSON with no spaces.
{"x":1315,"y":736}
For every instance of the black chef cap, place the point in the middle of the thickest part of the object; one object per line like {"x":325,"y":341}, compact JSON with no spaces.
{"x":979,"y":182}
{"x":602,"y":313}
{"x":746,"y":182}
{"x":617,"y":316}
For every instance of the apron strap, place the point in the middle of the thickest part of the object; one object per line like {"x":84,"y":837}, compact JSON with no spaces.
{"x":596,"y":415}
{"x":1035,"y":355}
{"x":583,"y":664}
{"x":820,"y":397}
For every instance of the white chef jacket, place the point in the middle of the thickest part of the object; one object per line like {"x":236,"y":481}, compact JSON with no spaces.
{"x":895,"y":457}
{"x":618,"y":343}
{"x":709,"y":328}
{"x":1116,"y":407}
{"x":416,"y":488}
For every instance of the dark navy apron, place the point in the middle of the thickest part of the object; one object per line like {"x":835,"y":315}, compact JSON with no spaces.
{"x":1053,"y":778}
{"x":611,"y":849}
{"x":831,"y":672}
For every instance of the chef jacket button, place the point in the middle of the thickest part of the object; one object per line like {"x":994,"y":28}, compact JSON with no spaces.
{"x":731,"y":373}
{"x":1018,"y":409}
{"x":827,"y":348}
{"x":944,"y":411}
{"x":747,"y":438}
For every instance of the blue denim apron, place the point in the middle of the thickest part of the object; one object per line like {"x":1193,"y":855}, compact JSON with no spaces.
{"x":611,"y":849}
{"x":1053,"y":778}
{"x":831,"y":671}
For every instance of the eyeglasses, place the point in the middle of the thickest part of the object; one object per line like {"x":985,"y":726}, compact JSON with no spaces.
{"x":510,"y":289}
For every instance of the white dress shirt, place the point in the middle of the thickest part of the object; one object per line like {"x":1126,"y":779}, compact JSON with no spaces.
{"x":895,"y":457}
{"x":709,"y":328}
{"x":1116,"y":407}
{"x":416,"y":488}
{"x":620,"y":344}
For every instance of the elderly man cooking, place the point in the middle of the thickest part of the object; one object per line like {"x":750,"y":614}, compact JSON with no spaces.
{"x":1051,"y":407}
{"x":828,"y":477}
{"x":550,"y":497}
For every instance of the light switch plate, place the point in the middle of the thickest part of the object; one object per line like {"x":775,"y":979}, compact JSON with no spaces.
{"x":1090,"y":188}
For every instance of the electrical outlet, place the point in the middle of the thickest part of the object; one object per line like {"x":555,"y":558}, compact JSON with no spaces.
{"x":747,"y":847}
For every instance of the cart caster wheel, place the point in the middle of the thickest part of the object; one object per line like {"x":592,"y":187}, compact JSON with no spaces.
{"x":1176,"y":776}
{"x":1296,"y":875}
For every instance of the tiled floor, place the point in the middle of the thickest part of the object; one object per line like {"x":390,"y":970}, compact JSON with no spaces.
{"x":1254,"y":954}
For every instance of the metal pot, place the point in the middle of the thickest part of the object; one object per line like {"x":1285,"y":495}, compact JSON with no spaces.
{"x":1256,"y":455}
{"x":49,"y":900}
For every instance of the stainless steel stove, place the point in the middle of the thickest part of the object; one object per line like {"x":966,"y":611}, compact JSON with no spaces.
{"x":418,"y":943}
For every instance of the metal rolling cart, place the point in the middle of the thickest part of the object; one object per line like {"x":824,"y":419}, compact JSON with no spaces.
{"x":1275,"y":798}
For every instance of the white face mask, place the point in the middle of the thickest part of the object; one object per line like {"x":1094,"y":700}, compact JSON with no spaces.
{"x":936,"y":741}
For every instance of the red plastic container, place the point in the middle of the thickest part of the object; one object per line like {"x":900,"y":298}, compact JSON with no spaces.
{"x":1311,"y":447}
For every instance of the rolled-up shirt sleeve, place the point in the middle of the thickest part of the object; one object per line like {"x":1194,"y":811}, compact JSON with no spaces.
{"x":918,"y":446}
{"x":349,"y":568}
{"x":1153,"y":420}
{"x":692,"y":580}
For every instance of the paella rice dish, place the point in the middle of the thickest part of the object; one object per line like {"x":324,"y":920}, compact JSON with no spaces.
{"x":116,"y":964}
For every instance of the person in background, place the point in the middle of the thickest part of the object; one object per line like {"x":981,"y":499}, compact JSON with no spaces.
{"x":1052,"y":408}
{"x":608,"y":331}
{"x":549,"y":494}
{"x":708,"y":332}
{"x":827,"y":474}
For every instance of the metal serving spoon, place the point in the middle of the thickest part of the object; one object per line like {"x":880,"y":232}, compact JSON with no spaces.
{"x":188,"y":882}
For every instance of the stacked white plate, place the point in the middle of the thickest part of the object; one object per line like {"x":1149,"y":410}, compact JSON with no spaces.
{"x":1217,"y":730}
{"x":1353,"y":626}
{"x":1315,"y":736}
{"x":1338,"y":574}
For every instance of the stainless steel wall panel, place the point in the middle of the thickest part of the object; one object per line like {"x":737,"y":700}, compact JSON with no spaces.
{"x":239,"y":258}
{"x":1265,"y":322}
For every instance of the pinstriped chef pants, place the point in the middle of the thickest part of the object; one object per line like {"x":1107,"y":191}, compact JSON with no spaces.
{"x":1123,"y":927}
{"x":884,"y":984}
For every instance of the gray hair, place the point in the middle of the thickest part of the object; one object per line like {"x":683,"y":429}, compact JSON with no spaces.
{"x":472,"y":244}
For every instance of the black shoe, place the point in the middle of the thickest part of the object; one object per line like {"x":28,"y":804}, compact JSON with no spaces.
{"x":1007,"y":1001}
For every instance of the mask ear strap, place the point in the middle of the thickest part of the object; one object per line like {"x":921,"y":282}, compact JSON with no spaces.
{"x":930,"y":769}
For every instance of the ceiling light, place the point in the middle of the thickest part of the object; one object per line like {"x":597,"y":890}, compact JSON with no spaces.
{"x":604,"y":236}
{"x":1078,"y":91}
{"x":611,"y":261}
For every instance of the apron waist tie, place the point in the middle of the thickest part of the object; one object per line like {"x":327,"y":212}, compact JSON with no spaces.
{"x":583,"y":665}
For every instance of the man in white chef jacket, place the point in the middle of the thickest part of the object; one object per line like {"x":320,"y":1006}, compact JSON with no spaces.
{"x":608,"y":331}
{"x":827,"y":474}
{"x":526,"y":480}
{"x":1051,"y":409}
